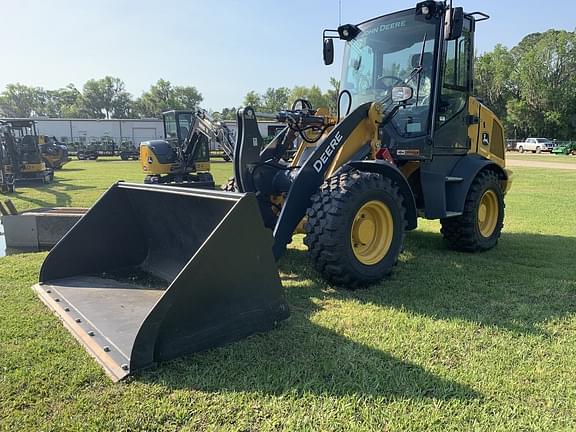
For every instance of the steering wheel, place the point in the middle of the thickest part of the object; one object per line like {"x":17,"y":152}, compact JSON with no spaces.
{"x":391,"y":77}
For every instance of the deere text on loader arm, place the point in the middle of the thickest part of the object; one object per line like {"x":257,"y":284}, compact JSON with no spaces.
{"x":409,"y":141}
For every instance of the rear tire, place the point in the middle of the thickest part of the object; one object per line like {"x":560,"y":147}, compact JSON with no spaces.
{"x":355,"y":228}
{"x":538,"y":150}
{"x":480,"y":225}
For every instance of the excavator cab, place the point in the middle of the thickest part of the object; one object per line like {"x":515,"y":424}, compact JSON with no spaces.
{"x":183,"y":158}
{"x":409,"y":140}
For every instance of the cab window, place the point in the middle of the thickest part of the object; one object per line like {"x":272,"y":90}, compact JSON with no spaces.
{"x":455,"y":76}
{"x":170,"y":125}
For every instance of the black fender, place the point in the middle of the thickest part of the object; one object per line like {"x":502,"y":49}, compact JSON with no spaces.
{"x":386,"y":169}
{"x":311,"y":176}
{"x":468,"y":169}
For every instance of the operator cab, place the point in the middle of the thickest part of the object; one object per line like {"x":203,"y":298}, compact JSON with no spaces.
{"x":417,"y":50}
{"x":26,"y":139}
{"x":178,"y":125}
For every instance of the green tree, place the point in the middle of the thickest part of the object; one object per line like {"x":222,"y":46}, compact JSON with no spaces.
{"x":494,"y":79}
{"x":546,"y":79}
{"x":106,"y":98}
{"x":225,"y":114}
{"x":275,"y":99}
{"x":532,"y":87}
{"x":254,"y":100}
{"x":332,"y":95}
{"x":313,"y":94}
{"x":19,"y":100}
{"x":163,"y":96}
{"x":64,"y":103}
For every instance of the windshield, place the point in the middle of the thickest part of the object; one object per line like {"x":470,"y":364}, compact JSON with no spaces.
{"x":387,"y":53}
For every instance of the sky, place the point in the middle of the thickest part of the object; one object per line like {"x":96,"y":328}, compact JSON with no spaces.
{"x":224,"y":48}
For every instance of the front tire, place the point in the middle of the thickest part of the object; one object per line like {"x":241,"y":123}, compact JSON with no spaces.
{"x":480,"y":225}
{"x":355,"y":228}
{"x":520,"y":149}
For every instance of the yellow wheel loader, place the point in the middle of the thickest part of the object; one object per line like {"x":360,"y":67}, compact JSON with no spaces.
{"x":139,"y":279}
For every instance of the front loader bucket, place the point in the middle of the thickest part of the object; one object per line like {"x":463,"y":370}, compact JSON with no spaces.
{"x":153,"y":272}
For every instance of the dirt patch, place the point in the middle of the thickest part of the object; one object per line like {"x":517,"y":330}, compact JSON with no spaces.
{"x":539,"y":164}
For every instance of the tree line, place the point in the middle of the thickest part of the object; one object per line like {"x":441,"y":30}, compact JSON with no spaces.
{"x":277,"y":99}
{"x":99,"y":98}
{"x":532,"y":86}
{"x":107,"y":98}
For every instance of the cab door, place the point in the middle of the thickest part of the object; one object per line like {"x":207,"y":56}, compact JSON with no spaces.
{"x":453,"y":120}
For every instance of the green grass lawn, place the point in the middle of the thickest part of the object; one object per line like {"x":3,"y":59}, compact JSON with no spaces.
{"x":80,"y":183}
{"x":452,"y":342}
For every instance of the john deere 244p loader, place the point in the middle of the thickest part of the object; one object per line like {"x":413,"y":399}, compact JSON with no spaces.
{"x":139,"y":279}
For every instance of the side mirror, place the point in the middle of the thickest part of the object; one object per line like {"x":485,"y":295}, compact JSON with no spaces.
{"x":454,"y":23}
{"x":401,"y":94}
{"x":328,"y":52}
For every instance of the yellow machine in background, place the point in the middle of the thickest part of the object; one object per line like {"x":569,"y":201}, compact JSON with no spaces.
{"x":25,"y":161}
{"x":54,"y":153}
{"x":183,"y":158}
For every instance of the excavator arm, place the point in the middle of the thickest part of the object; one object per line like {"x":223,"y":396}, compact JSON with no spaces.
{"x":203,"y":127}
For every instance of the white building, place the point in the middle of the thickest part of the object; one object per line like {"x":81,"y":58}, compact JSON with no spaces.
{"x":79,"y":132}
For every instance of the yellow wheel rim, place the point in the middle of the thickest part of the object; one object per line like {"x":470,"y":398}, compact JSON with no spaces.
{"x":488,"y":213}
{"x":372,"y":232}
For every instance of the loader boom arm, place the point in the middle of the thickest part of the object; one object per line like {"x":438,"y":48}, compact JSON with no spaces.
{"x":334,"y":150}
{"x":337,"y":148}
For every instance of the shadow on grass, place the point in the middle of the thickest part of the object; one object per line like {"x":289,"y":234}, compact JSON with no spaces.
{"x":527,"y":280}
{"x":58,"y":191}
{"x":518,"y":287}
{"x":302,"y":358}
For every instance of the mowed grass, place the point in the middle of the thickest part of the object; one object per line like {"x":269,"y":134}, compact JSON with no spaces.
{"x":452,"y":341}
{"x":81,"y":183}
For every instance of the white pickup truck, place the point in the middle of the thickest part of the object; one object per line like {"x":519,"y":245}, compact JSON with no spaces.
{"x":535,"y":145}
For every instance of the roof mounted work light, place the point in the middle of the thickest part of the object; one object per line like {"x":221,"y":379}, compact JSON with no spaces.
{"x":348,"y":32}
{"x":428,"y":9}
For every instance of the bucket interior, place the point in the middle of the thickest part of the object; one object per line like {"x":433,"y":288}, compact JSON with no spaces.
{"x":132,"y":232}
{"x":107,"y":274}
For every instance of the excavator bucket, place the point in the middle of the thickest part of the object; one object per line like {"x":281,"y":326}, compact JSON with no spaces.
{"x":154,"y":272}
